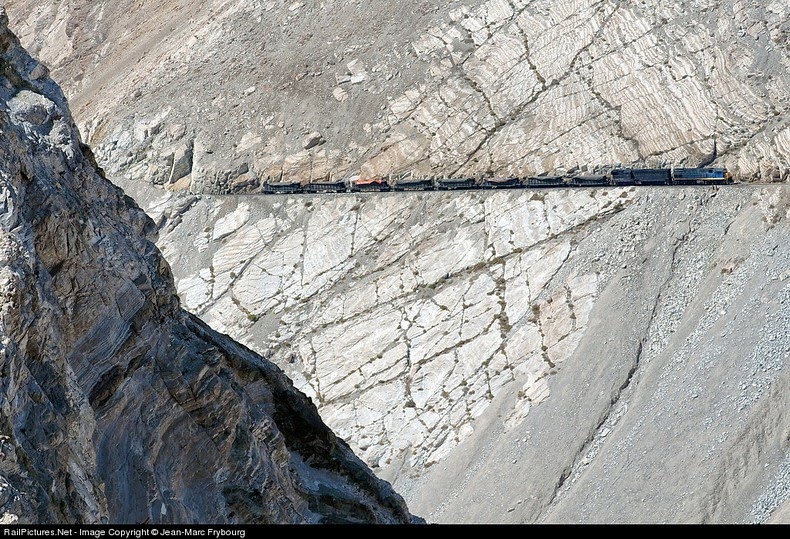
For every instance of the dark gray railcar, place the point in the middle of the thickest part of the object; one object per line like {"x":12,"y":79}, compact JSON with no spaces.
{"x":325,"y":187}
{"x":622,"y":176}
{"x":376,"y":185}
{"x":414,"y":185}
{"x":450,"y":184}
{"x":282,"y":188}
{"x":652,"y":176}
{"x":502,"y":183}
{"x":546,"y":181}
{"x":589,"y":180}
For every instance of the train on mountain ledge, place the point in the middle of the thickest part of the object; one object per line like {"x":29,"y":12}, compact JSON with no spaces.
{"x":615,"y":178}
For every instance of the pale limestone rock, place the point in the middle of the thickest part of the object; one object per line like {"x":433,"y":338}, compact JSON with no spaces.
{"x":456,"y":310}
{"x":555,"y":318}
{"x":428,"y":380}
{"x":257,"y":290}
{"x":517,"y":293}
{"x":449,"y":253}
{"x":534,"y":390}
{"x":542,"y":265}
{"x":583,"y":291}
{"x":433,"y":331}
{"x":340,"y":94}
{"x":329,"y":238}
{"x":195,"y":291}
{"x":224,"y":226}
{"x":229,"y":260}
{"x":562,"y":349}
{"x":514,"y":224}
{"x":522,"y":343}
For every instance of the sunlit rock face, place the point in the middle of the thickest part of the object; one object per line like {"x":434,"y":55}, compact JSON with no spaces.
{"x":115,"y":404}
{"x":408,"y":316}
{"x":219,"y":97}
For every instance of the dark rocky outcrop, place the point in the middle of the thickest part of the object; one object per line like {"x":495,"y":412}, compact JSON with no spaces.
{"x":115,"y":404}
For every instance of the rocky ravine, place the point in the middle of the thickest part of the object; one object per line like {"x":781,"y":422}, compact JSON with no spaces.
{"x":116,"y":405}
{"x":216,"y":97}
{"x":602,"y":355}
{"x":605,"y":354}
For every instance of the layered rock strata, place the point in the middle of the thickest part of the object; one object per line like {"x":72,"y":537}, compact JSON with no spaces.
{"x":115,"y":404}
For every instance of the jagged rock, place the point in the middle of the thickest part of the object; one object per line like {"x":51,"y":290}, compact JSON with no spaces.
{"x":312,"y":140}
{"x":116,"y":405}
{"x":181,"y":163}
{"x":31,"y":108}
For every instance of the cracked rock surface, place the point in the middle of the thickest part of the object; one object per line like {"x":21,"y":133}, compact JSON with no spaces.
{"x":115,"y":404}
{"x":217,"y":97}
{"x":404,"y":328}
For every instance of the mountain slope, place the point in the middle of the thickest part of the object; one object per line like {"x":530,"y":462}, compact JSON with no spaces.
{"x":218,"y":98}
{"x":116,"y":405}
{"x":480,"y":349}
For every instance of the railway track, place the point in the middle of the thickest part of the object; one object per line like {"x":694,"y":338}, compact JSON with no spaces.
{"x":618,"y":177}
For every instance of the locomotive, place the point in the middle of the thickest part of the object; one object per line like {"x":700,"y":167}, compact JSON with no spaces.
{"x":615,"y":178}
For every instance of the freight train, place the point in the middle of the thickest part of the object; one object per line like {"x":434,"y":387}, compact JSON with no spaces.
{"x":614,"y":178}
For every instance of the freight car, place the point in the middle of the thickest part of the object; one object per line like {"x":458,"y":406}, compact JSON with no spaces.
{"x":589,"y":180}
{"x":325,"y":187}
{"x":642,"y":176}
{"x":451,"y":184}
{"x":414,"y":185}
{"x":373,"y":184}
{"x":502,"y":183}
{"x":544,"y":181}
{"x":282,"y":188}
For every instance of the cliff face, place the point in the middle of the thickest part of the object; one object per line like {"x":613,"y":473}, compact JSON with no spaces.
{"x":116,"y":405}
{"x":217,"y":97}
